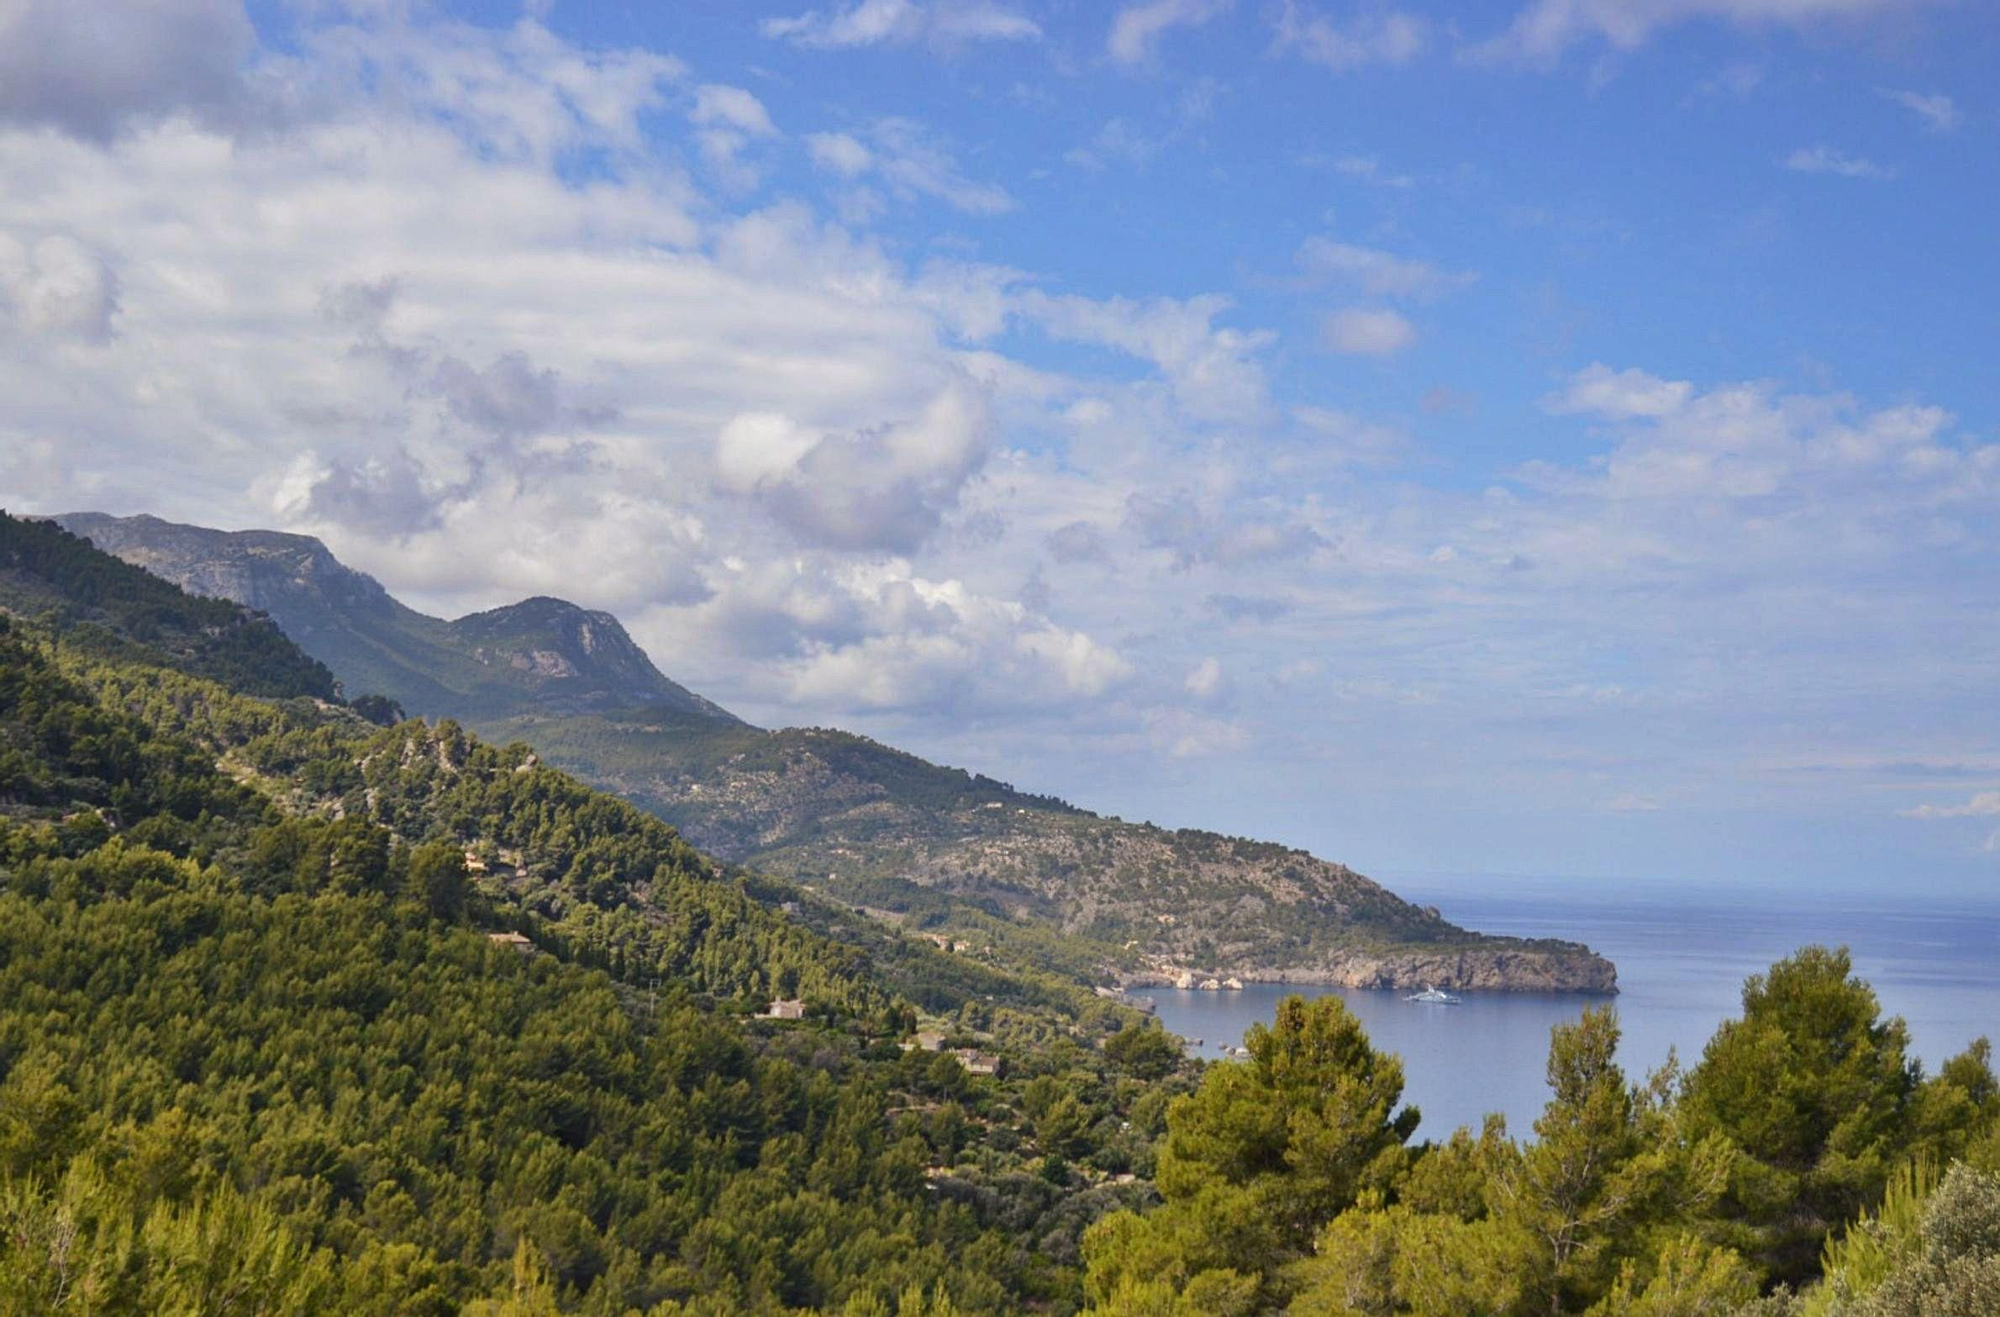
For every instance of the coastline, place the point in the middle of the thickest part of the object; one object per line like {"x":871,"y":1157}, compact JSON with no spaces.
{"x":1582,"y":972}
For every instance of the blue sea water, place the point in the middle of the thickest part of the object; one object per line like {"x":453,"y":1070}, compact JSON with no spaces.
{"x":1682,"y":958}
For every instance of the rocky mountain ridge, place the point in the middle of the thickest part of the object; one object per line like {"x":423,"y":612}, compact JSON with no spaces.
{"x":543,"y":654}
{"x":861,"y":822}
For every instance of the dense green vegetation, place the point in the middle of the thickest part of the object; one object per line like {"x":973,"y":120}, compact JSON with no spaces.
{"x":1290,"y":1184}
{"x":108,"y":608}
{"x":257,"y":1053}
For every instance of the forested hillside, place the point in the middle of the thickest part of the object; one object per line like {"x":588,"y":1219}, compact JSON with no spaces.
{"x":952,"y":852}
{"x":97,"y":603}
{"x":259,"y":1053}
{"x":1290,"y":1183}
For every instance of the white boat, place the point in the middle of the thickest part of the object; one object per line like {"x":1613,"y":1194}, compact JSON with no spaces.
{"x":1431,"y":996}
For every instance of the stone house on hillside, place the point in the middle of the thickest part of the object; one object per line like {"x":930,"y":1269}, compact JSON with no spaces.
{"x":515,"y":940}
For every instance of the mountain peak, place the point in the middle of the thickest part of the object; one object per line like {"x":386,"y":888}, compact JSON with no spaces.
{"x":566,"y":645}
{"x":539,"y":656}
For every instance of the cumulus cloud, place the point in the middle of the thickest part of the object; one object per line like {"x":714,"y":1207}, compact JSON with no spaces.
{"x":1215,"y":372}
{"x":388,"y":496}
{"x":1076,"y":542}
{"x":1621,"y":394}
{"x":861,"y":637}
{"x":727,"y":120}
{"x":1823,"y":159}
{"x":949,"y":23}
{"x":91,"y":69}
{"x":1137,"y":29}
{"x":510,"y":398}
{"x":440,"y":294}
{"x":840,"y":153}
{"x":1392,"y":38}
{"x":1368,"y":331}
{"x":884,"y":488}
{"x":1193,"y":535}
{"x":1542,"y":31}
{"x":57,"y":287}
{"x":1750,"y":441}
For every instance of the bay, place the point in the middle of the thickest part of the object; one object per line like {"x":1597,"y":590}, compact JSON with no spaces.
{"x":1682,"y":957}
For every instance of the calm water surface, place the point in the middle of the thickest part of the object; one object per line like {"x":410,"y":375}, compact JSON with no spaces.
{"x":1681,"y":965}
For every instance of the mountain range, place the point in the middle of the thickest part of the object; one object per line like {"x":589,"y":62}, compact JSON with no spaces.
{"x":970,"y":860}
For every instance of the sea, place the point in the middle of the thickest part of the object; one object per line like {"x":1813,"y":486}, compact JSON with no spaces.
{"x":1682,"y":957}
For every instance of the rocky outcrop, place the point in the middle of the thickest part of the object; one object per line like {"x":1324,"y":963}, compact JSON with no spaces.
{"x":1570,"y":967}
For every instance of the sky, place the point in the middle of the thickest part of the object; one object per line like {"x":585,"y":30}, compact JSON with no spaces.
{"x":1549,"y":437}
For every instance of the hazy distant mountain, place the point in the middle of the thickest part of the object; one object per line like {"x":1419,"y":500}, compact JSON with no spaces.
{"x":862,"y":822}
{"x":541,"y":654}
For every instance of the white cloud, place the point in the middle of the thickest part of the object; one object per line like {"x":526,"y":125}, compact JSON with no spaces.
{"x":1391,"y":37}
{"x":1984,"y":805}
{"x":1205,"y":681}
{"x":732,"y":108}
{"x":1368,"y":169}
{"x":1368,"y":331}
{"x":1137,"y":29}
{"x":840,"y":153}
{"x":1823,"y":159}
{"x":1342,"y":439}
{"x":1631,"y":802}
{"x":947,"y":24}
{"x":1376,"y":272}
{"x":910,"y":162}
{"x":1621,"y":394}
{"x":727,"y":120}
{"x":1545,"y":29}
{"x":92,"y":69}
{"x":878,"y":636}
{"x":1939,"y":113}
{"x":884,"y":488}
{"x":1188,"y":735}
{"x":1214,"y":372}
{"x":1746,"y":441}
{"x":57,"y":287}
{"x":1117,"y":140}
{"x":1197,"y":533}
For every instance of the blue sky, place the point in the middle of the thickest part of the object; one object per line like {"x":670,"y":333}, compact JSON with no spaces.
{"x":1553,"y":437}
